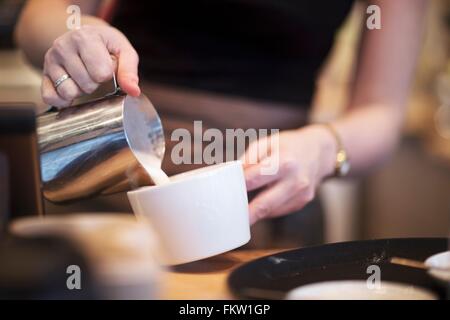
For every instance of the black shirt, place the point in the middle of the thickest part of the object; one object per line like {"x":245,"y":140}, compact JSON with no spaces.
{"x":261,"y":49}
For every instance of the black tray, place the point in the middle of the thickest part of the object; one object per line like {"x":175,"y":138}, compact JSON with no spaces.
{"x":282,"y":272}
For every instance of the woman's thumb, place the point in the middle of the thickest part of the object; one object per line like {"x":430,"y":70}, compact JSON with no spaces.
{"x":127,"y":71}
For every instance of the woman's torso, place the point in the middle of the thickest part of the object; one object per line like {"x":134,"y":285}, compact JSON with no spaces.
{"x":260,"y":49}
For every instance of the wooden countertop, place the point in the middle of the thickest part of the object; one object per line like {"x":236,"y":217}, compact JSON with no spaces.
{"x":206,"y":279}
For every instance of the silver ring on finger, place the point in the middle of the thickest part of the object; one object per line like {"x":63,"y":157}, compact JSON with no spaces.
{"x":61,"y":80}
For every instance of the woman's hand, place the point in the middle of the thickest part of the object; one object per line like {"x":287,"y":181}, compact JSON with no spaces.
{"x":305,"y":157}
{"x":85,"y":55}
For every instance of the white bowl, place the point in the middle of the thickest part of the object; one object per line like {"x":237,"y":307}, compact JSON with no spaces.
{"x":439,"y":265}
{"x":199,"y":214}
{"x":359,"y":290}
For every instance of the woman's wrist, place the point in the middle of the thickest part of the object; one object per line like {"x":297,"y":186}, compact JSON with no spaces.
{"x":328,"y":149}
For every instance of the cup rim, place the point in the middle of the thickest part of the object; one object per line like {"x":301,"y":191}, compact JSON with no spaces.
{"x":189,"y":176}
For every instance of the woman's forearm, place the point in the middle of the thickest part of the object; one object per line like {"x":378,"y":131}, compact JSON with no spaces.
{"x":371,"y":127}
{"x":42,"y":21}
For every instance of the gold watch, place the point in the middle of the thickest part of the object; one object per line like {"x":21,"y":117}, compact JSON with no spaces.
{"x":342,"y":167}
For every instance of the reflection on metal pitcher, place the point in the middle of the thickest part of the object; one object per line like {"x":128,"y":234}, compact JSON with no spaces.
{"x":85,"y":150}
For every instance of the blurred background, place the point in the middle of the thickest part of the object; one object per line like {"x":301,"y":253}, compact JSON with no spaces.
{"x":408,"y":197}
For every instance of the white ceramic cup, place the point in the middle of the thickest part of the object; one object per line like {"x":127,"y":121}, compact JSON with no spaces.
{"x":199,"y":214}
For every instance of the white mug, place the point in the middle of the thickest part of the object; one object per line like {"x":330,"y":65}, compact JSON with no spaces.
{"x":199,"y":214}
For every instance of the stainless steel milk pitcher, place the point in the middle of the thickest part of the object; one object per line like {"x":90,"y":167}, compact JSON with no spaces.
{"x":85,"y":149}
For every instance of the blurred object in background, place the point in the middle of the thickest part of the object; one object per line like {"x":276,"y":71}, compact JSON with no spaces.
{"x":438,"y":141}
{"x":4,"y":192}
{"x":9,"y":12}
{"x":18,"y":81}
{"x":430,"y":116}
{"x":442,"y":116}
{"x":36,"y":269}
{"x":121,"y":251}
{"x":18,"y":144}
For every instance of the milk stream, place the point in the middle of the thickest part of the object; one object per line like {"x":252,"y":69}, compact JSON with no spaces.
{"x":152,"y":165}
{"x":158,"y":176}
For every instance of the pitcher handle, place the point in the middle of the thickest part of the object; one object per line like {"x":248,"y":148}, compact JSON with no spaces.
{"x":117,"y":89}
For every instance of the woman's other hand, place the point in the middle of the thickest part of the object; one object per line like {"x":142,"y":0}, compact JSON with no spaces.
{"x":305,"y":157}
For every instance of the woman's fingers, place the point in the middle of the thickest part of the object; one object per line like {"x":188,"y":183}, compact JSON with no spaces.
{"x":127,"y":72}
{"x":127,"y":60}
{"x":85,"y":55}
{"x":260,"y":163}
{"x":78,"y":72}
{"x":292,"y":177}
{"x":267,"y":203}
{"x":255,"y":153}
{"x":283,"y":197}
{"x":255,"y":177}
{"x":96,"y":58}
{"x":49,"y":94}
{"x":67,"y":90}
